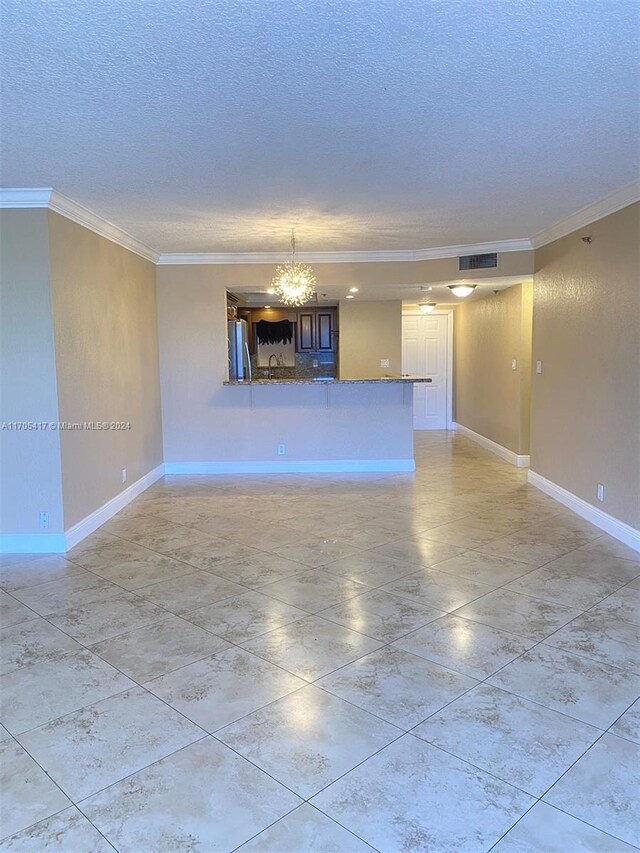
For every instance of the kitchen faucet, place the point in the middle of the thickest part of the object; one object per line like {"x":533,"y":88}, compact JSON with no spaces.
{"x":269,"y":373}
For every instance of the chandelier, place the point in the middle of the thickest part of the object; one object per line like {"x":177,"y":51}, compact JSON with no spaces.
{"x":293,"y":283}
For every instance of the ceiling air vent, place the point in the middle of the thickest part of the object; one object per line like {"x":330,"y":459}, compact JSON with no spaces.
{"x":478,"y":262}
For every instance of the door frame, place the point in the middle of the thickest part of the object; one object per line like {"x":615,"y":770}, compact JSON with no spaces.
{"x":449,"y":313}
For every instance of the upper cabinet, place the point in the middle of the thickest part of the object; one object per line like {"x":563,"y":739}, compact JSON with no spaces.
{"x":316,"y":330}
{"x":325,"y":327}
{"x":306,"y":331}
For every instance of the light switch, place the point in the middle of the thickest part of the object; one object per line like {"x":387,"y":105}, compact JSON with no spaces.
{"x":538,"y":367}
{"x":384,"y":362}
{"x":514,"y":364}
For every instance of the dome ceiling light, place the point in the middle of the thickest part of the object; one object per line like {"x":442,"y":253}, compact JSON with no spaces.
{"x":427,"y":307}
{"x":462,"y":290}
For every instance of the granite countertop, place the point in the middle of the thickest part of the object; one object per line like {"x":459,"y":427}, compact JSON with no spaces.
{"x":309,"y":380}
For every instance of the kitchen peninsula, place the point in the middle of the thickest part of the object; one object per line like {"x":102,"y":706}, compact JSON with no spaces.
{"x":326,"y":425}
{"x":329,"y":380}
{"x":360,"y":422}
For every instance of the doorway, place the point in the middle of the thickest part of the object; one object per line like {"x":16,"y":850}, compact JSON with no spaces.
{"x":427,"y":351}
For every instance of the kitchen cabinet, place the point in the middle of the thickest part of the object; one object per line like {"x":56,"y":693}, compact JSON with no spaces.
{"x":325,"y":330}
{"x":316,"y":331}
{"x":306,"y":332}
{"x":232,"y":306}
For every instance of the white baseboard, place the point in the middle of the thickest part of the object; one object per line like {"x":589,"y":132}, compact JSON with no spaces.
{"x":32,"y":543}
{"x":618,"y":529}
{"x":519,"y":460}
{"x":332,"y":466}
{"x":96,"y":519}
{"x":59,"y":543}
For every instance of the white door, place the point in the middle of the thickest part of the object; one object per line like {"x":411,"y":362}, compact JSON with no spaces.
{"x":424,"y":353}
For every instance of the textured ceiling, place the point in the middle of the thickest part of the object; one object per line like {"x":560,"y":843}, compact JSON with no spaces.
{"x":204,"y":126}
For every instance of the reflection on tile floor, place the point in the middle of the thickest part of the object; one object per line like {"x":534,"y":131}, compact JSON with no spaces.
{"x":304,"y":663}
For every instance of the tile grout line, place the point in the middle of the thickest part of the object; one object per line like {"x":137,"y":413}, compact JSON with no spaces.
{"x":403,"y":733}
{"x":317,"y":613}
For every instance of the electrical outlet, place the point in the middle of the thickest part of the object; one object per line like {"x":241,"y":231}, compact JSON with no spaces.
{"x":281,"y":450}
{"x":600,"y":492}
{"x":315,"y":362}
{"x":384,"y":362}
{"x":44,"y":521}
{"x":123,"y":474}
{"x":514,"y":364}
{"x":539,"y":367}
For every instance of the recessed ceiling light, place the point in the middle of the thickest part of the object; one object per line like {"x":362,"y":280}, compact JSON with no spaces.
{"x":353,"y":290}
{"x":349,"y":297}
{"x":427,"y":307}
{"x":267,"y":306}
{"x":462,"y":290}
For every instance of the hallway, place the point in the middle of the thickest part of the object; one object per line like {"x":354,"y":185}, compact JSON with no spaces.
{"x":445,"y":661}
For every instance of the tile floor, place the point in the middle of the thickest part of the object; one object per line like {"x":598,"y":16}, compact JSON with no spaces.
{"x":442,"y":662}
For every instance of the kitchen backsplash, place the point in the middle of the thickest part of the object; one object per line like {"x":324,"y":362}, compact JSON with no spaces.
{"x":303,"y":366}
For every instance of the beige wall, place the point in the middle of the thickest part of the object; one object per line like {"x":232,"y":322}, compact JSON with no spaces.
{"x":586,"y":404}
{"x":105,"y":322}
{"x":79,"y":342}
{"x":367,"y":333}
{"x":206,"y":422}
{"x":524,"y":366}
{"x":29,"y":460}
{"x":371,"y":275}
{"x":490,"y":397}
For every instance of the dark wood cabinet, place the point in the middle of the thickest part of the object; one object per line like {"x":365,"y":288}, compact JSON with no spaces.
{"x":306,"y":332}
{"x":315,"y":328}
{"x":325,"y":330}
{"x":316,"y":331}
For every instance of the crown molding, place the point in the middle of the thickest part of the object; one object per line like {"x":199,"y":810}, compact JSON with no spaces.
{"x":79,"y":214}
{"x":407,"y":255}
{"x":23,"y":197}
{"x":521,"y":245}
{"x":586,"y":215}
{"x":46,"y":197}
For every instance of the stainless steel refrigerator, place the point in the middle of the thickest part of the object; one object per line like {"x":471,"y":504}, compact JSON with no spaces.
{"x":239,"y":358}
